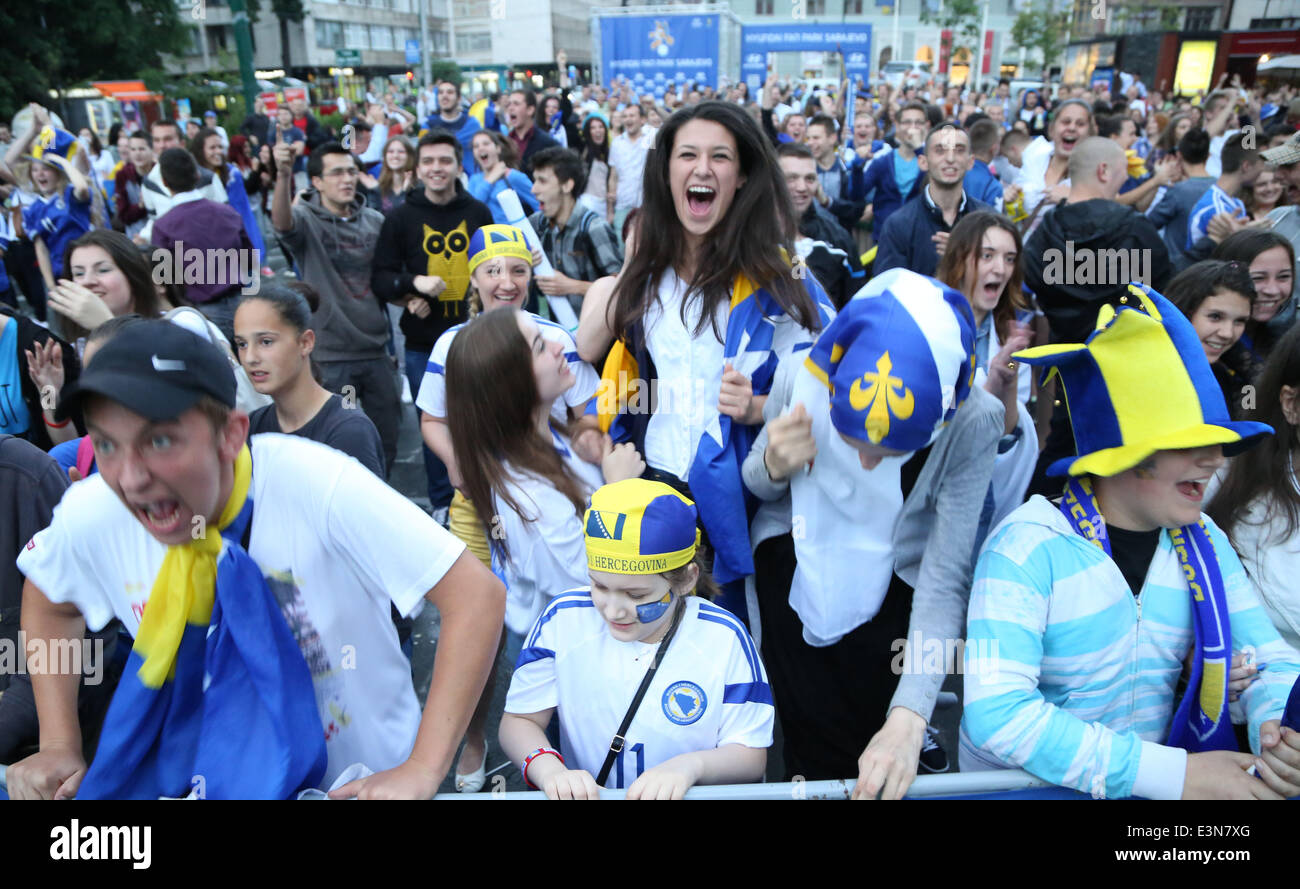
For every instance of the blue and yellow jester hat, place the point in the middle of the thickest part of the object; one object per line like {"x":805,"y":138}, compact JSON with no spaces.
{"x":491,"y":241}
{"x":899,"y":360}
{"x":637,"y":526}
{"x":1140,"y":384}
{"x":52,"y":140}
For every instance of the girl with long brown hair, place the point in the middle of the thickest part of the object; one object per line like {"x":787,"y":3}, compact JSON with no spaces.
{"x":498,"y":163}
{"x":706,"y":305}
{"x":528,"y":485}
{"x":397,"y":175}
{"x":500,"y":267}
{"x":982,"y":260}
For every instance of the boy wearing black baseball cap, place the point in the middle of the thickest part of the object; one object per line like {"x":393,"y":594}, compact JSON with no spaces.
{"x":333,"y":543}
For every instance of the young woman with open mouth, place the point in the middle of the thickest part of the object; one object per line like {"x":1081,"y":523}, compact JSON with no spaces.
{"x":498,"y":172}
{"x":1044,"y":173}
{"x":707,"y":267}
{"x":982,"y":260}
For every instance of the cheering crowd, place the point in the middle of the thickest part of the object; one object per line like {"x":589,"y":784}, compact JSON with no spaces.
{"x":734,"y":409}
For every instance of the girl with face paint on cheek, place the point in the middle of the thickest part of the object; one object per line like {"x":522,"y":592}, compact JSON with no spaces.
{"x":705,"y":715}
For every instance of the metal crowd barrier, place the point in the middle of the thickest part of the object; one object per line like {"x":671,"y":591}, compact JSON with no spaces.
{"x":1009,"y":784}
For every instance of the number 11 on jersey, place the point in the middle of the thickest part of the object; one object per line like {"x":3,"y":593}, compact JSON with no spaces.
{"x":639,"y":750}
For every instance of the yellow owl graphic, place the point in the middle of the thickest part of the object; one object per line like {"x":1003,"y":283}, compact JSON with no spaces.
{"x":448,"y":254}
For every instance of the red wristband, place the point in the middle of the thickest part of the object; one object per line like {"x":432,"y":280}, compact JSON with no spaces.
{"x":57,"y":425}
{"x":528,"y":760}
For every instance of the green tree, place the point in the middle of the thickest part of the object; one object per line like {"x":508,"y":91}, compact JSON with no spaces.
{"x":445,"y":69}
{"x":962,"y":17}
{"x":1042,"y":27}
{"x":54,"y":46}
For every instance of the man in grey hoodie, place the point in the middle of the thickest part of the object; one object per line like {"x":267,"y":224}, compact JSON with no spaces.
{"x":332,"y":235}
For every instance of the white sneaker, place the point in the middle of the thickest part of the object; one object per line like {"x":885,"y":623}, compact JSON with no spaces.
{"x":406,"y":390}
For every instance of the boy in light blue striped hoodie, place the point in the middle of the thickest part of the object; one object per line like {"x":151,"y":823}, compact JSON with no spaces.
{"x":1084,"y":615}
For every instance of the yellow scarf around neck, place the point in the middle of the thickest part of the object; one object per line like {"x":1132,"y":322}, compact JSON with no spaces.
{"x":185,"y":588}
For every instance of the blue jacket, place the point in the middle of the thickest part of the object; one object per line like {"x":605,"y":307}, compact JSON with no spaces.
{"x":879,"y":177}
{"x":487,"y":192}
{"x":463,"y":128}
{"x":905,"y":240}
{"x":981,"y":184}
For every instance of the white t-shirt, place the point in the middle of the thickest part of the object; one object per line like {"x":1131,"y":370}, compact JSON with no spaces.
{"x":1214,"y":163}
{"x":710,"y":689}
{"x":432,"y":397}
{"x":690,"y":377}
{"x":548,"y":554}
{"x":335,"y":544}
{"x":627,"y":158}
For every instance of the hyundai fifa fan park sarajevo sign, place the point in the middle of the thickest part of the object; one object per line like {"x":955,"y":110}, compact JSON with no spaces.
{"x":652,"y":52}
{"x":756,"y":41}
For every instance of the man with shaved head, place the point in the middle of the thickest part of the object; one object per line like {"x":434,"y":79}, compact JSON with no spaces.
{"x":1082,"y":256}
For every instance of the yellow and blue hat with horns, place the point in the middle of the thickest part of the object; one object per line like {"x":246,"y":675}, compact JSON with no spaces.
{"x":1140,"y":384}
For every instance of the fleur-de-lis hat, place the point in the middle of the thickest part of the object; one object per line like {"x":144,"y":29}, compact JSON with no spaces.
{"x":899,"y":360}
{"x":1140,"y":384}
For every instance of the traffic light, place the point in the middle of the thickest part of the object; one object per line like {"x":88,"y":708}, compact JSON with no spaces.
{"x":410,"y":75}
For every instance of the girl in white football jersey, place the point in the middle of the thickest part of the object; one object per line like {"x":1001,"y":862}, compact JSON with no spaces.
{"x":641,"y":656}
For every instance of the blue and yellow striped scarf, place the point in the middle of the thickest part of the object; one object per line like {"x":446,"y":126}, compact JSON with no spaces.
{"x":1201,"y":722}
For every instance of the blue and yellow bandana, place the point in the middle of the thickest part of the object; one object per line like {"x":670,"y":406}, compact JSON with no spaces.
{"x":638,"y":526}
{"x":1140,"y":384}
{"x":899,"y":360}
{"x":491,"y":241}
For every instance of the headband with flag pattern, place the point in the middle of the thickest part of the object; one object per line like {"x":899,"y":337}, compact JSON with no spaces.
{"x":491,"y":241}
{"x":638,"y":526}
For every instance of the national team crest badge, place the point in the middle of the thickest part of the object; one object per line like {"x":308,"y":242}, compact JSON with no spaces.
{"x":684,"y":702}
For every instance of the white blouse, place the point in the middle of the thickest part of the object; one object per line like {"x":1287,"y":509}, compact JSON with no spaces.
{"x":690,"y":378}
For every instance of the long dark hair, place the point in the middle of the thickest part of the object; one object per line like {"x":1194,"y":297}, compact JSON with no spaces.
{"x":746,"y":241}
{"x":965,"y":241}
{"x":1199,"y":281}
{"x":1245,"y":245}
{"x":1266,"y":469}
{"x":200,"y":156}
{"x":591,"y":151}
{"x":492,"y":402}
{"x":130,"y":262}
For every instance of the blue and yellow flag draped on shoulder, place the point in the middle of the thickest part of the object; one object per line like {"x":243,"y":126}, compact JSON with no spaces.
{"x":759,"y":333}
{"x":216,"y":698}
{"x":1142,"y":384}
